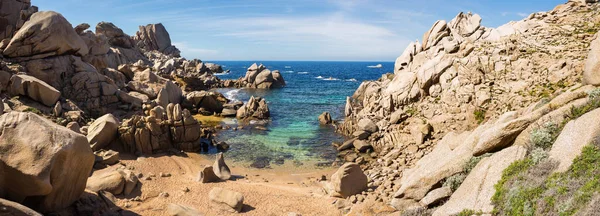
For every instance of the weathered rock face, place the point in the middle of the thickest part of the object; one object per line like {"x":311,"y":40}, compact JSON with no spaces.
{"x":476,"y":191}
{"x":255,"y":108}
{"x":207,"y":175}
{"x":112,"y":182}
{"x":576,"y":134}
{"x":226,"y":200}
{"x":258,"y":76}
{"x":591,"y":73}
{"x":9,"y":208}
{"x":103,"y":131}
{"x":34,"y":88}
{"x":348,"y":180}
{"x":80,"y":82}
{"x":210,"y":101}
{"x":221,"y":169}
{"x":325,"y":118}
{"x":46,"y":34}
{"x":14,"y":14}
{"x":116,"y":37}
{"x":156,"y":37}
{"x":163,"y":129}
{"x":46,"y":171}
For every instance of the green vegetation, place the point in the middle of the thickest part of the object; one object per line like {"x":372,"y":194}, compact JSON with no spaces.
{"x":33,"y":110}
{"x":592,"y":104}
{"x":469,"y":212}
{"x":545,"y":136}
{"x":529,"y":188}
{"x":479,"y":115}
{"x":456,"y":180}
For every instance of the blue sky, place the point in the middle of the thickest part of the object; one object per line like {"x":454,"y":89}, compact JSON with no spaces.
{"x":369,"y":30}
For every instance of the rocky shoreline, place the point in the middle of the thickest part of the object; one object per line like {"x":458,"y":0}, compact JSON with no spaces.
{"x":103,"y":123}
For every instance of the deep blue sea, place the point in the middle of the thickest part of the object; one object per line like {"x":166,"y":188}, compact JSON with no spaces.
{"x":294,"y":134}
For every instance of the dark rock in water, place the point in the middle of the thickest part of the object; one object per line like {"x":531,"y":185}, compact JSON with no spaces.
{"x":221,"y":169}
{"x":298,"y":163}
{"x":222,"y":146}
{"x":279,"y":161}
{"x":261,"y":162}
{"x":261,"y":128}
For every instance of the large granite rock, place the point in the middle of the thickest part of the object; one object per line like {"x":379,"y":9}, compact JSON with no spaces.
{"x":14,"y":14}
{"x":42,"y":163}
{"x":116,"y":37}
{"x":575,"y":135}
{"x":258,"y":76}
{"x":46,"y":34}
{"x":255,"y":108}
{"x":172,"y":127}
{"x":226,"y":200}
{"x":81,"y":83}
{"x":210,"y":101}
{"x":591,"y":73}
{"x":34,"y":88}
{"x":348,"y":180}
{"x":156,"y":37}
{"x":103,"y":131}
{"x":221,"y":169}
{"x":476,"y":191}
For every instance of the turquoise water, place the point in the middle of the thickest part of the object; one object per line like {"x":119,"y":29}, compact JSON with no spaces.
{"x":294,"y":134}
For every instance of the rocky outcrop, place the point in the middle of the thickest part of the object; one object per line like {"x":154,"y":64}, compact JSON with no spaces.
{"x":258,"y":76}
{"x":348,"y":180}
{"x":226,"y":200}
{"x":162,"y":129}
{"x":47,"y":171}
{"x":577,"y":134}
{"x":156,"y":37}
{"x":81,"y":83}
{"x":207,"y":100}
{"x":33,"y":88}
{"x":116,"y":37}
{"x":325,"y":118}
{"x":103,"y":131}
{"x":46,"y":34}
{"x":476,"y":192}
{"x":14,"y":15}
{"x":591,"y":73}
{"x":255,"y":108}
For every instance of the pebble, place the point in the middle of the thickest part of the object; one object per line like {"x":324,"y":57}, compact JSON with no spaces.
{"x":164,"y":194}
{"x":165,"y":175}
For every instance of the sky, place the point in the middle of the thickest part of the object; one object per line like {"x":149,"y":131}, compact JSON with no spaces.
{"x":325,"y":30}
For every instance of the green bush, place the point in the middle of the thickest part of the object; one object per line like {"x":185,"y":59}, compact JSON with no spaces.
{"x":479,"y":115}
{"x":455,"y":181}
{"x":545,"y":136}
{"x":527,"y":188}
{"x":33,"y":110}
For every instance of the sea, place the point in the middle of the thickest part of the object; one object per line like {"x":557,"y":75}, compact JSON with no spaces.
{"x":293,"y":136}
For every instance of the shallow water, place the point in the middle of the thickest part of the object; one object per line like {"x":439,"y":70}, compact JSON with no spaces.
{"x":294,"y":134}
